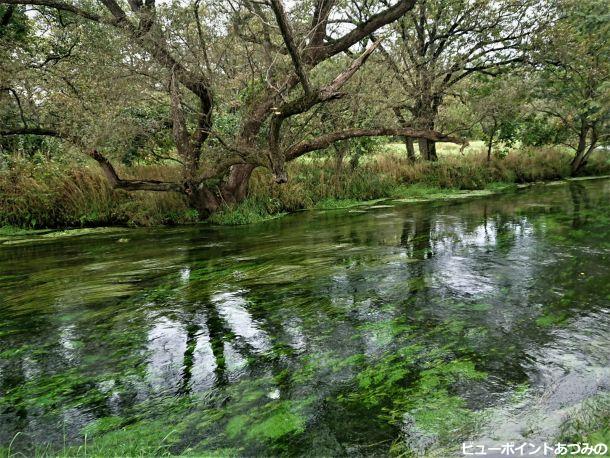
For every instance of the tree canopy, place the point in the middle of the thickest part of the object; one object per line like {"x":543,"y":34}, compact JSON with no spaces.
{"x":223,"y":87}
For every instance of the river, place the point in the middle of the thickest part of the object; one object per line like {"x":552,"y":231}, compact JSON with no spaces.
{"x":400,"y":328}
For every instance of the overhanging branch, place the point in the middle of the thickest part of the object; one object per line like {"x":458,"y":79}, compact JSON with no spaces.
{"x":132,"y":185}
{"x":324,"y":141}
{"x":29,"y":131}
{"x":107,"y":168}
{"x":63,"y":6}
{"x":362,"y":30}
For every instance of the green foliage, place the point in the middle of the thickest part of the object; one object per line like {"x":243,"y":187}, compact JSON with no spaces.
{"x":227,"y":124}
{"x":16,"y":27}
{"x":332,"y":203}
{"x":251,"y":210}
{"x":573,"y":89}
{"x":551,"y":319}
{"x":498,"y":103}
{"x":540,"y":130}
{"x":12,"y":231}
{"x":147,"y":139}
{"x":103,"y":425}
{"x":39,"y":192}
{"x":363,"y":146}
{"x":277,"y":420}
{"x":589,"y":423}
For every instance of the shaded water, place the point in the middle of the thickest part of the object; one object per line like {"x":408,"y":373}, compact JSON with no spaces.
{"x":392,"y":329}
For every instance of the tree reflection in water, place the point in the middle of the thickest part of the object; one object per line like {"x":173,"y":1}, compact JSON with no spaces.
{"x":319,"y":332}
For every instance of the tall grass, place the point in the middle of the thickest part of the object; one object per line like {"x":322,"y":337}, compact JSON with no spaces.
{"x":316,"y":183}
{"x":54,"y":194}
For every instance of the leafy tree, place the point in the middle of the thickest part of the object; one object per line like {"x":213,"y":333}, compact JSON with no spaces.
{"x":256,"y":67}
{"x":440,"y":43}
{"x":498,"y":106}
{"x":574,"y":83}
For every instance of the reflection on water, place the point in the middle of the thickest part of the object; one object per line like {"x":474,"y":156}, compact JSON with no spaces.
{"x":335,"y":333}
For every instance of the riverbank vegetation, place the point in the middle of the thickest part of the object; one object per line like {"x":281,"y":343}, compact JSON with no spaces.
{"x":42,"y":192}
{"x":590,"y":423}
{"x":237,"y":111}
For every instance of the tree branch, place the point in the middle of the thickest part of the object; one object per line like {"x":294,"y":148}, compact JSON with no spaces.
{"x":29,"y":131}
{"x":324,"y":141}
{"x":304,"y":103}
{"x":287,"y":33}
{"x":361,"y":31}
{"x":107,"y":168}
{"x":319,"y":22}
{"x":344,"y":77}
{"x":58,"y":5}
{"x":132,"y":185}
{"x":6,"y":17}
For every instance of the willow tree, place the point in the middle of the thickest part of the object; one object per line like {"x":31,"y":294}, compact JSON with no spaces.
{"x":253,"y":59}
{"x":440,"y":43}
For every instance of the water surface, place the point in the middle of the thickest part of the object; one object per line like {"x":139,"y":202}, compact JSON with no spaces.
{"x":401,"y":329}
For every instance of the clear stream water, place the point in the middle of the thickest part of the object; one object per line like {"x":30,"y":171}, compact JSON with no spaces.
{"x":396,"y":329}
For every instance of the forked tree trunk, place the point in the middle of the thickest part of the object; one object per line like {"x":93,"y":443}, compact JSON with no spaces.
{"x":580,"y":160}
{"x":204,"y":200}
{"x":235,"y":188}
{"x":425,"y":119}
{"x":425,"y":113}
{"x":582,"y":150}
{"x":207,"y":201}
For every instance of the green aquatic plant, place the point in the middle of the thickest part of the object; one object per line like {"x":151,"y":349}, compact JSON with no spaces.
{"x":589,"y":423}
{"x":551,"y":319}
{"x":391,"y":332}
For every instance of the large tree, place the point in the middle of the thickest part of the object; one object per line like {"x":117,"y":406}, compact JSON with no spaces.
{"x":573,"y":86}
{"x":440,"y":43}
{"x":252,"y":63}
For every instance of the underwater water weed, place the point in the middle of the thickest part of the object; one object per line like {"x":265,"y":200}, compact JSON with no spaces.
{"x":391,"y":330}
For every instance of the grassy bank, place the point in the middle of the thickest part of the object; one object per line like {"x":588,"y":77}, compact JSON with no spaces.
{"x":388,"y":174}
{"x":58,"y":195}
{"x":55,"y":194}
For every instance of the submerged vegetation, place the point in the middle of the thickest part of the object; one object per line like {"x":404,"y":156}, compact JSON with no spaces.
{"x":385,"y":347}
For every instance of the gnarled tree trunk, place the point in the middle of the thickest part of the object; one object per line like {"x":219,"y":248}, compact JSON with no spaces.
{"x":583,"y":151}
{"x":235,"y":189}
{"x":427,"y":149}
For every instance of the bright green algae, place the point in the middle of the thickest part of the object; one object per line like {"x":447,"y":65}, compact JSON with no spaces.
{"x":398,"y":330}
